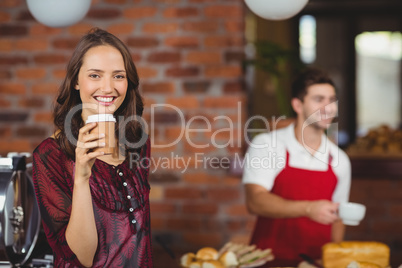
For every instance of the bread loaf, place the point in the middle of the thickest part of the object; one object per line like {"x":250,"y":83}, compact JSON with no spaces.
{"x":206,"y":254}
{"x":186,"y":259}
{"x":338,"y":255}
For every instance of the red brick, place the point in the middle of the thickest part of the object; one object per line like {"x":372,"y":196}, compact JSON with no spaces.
{"x":140,"y":12}
{"x":25,"y":16}
{"x":161,"y":27}
{"x":201,"y":178}
{"x":162,"y":208}
{"x":183,"y":224}
{"x":173,"y":133}
{"x":234,"y":87}
{"x":234,"y":56}
{"x":232,"y":180}
{"x":158,"y":87}
{"x":10,"y":30}
{"x":6,"y":45}
{"x":223,"y":194}
{"x":15,"y":145}
{"x":222,"y":102}
{"x":45,"y":88}
{"x":50,"y":59}
{"x":198,"y":147}
{"x":12,"y":88}
{"x":167,"y":1}
{"x":234,"y":26}
{"x":60,"y":74}
{"x":40,"y":29}
{"x":5,"y":132}
{"x":13,"y":60}
{"x":31,"y":102}
{"x":200,"y":209}
{"x":164,"y":57}
{"x":103,"y":13}
{"x":31,"y":73}
{"x":157,"y":223}
{"x":145,"y":72}
{"x":196,"y":86}
{"x":116,"y":1}
{"x":4,"y":103}
{"x":80,"y":29}
{"x":5,"y":74}
{"x":11,"y":3}
{"x":182,"y":12}
{"x":225,"y":71}
{"x":182,"y":41}
{"x":204,"y":57}
{"x":183,"y":193}
{"x":224,"y":11}
{"x":142,"y":42}
{"x":4,"y":16}
{"x":31,"y":131}
{"x":45,"y":117}
{"x":204,"y":239}
{"x":201,"y":26}
{"x":136,"y":57}
{"x":65,"y":43}
{"x":31,"y":44}
{"x":182,"y":71}
{"x":121,"y":28}
{"x":237,"y":210}
{"x":224,"y":41}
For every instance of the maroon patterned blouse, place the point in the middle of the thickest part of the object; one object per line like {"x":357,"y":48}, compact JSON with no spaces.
{"x":120,"y":201}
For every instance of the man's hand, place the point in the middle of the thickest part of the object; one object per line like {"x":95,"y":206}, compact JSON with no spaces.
{"x":322,"y":211}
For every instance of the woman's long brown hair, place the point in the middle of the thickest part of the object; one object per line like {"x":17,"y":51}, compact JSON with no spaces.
{"x":69,"y":98}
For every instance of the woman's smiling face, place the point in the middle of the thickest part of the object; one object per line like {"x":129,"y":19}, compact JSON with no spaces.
{"x":102,"y":81}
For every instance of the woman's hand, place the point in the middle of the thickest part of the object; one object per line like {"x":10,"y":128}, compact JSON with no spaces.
{"x":84,"y":157}
{"x":322,"y":211}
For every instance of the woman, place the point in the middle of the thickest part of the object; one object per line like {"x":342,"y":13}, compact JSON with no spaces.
{"x":94,"y":206}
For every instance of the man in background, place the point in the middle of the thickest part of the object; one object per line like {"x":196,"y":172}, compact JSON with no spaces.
{"x":296,"y":200}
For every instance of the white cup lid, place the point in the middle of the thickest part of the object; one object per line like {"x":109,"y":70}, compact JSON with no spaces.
{"x":100,"y":118}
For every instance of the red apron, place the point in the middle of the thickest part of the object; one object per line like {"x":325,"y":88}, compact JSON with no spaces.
{"x":290,"y":237}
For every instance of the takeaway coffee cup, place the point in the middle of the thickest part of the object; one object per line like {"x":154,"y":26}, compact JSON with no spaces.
{"x":351,"y":213}
{"x":106,"y":125}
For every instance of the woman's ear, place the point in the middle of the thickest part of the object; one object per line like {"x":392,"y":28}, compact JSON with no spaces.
{"x":297,"y":105}
{"x":77,"y":87}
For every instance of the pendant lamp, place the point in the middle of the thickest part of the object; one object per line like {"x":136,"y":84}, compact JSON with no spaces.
{"x":276,"y":9}
{"x":58,"y":13}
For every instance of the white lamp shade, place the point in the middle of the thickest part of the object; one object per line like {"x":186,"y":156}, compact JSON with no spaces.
{"x":58,"y":13}
{"x":276,"y":9}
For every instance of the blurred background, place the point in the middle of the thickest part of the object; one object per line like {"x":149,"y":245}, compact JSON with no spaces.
{"x":201,"y":56}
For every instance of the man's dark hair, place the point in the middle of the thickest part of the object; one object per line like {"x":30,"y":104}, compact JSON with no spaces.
{"x":309,"y":77}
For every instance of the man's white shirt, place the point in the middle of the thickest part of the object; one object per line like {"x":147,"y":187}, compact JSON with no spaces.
{"x":266,"y":158}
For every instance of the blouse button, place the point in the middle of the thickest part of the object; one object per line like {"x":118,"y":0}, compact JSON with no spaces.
{"x":131,"y":209}
{"x":120,"y":173}
{"x":124,"y":183}
{"x":129,"y":197}
{"x":133,"y":221}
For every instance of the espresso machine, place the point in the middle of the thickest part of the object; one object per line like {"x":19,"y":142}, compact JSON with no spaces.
{"x":20,"y":220}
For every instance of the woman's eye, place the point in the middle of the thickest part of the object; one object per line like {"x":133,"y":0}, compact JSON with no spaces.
{"x":119,"y":76}
{"x":94,"y":76}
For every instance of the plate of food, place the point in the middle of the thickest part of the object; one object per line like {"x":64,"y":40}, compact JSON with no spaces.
{"x":232,"y":255}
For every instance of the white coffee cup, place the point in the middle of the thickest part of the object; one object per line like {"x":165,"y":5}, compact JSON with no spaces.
{"x":106,"y":125}
{"x":351,"y":213}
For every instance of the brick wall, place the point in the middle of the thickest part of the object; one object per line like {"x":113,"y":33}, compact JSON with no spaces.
{"x":188,"y":54}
